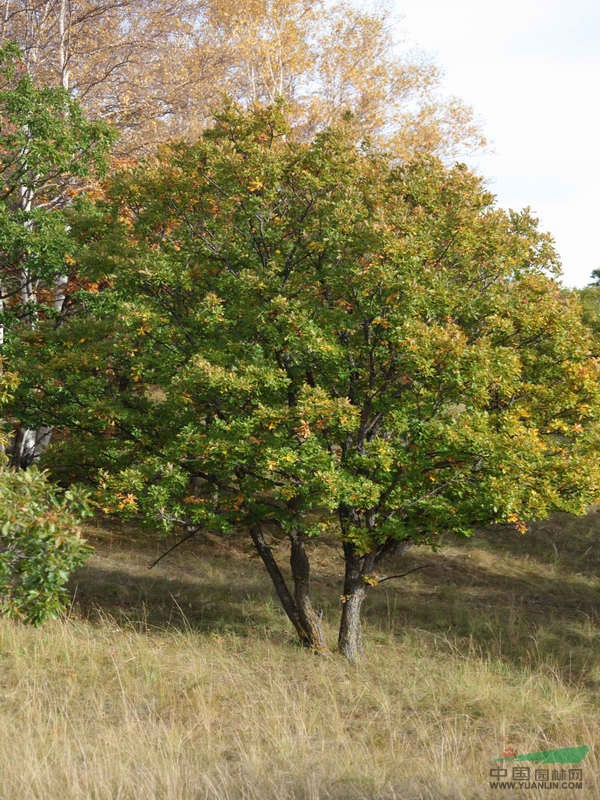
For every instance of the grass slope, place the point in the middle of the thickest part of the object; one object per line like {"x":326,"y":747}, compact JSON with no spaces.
{"x":184,"y":682}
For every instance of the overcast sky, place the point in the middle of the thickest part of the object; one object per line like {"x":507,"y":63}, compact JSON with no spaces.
{"x":531,"y":71}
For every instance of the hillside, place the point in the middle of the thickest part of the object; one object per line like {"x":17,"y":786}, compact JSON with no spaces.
{"x":185,"y":681}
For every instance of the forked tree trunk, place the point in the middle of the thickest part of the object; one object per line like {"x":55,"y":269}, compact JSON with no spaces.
{"x":355,"y":590}
{"x":297,"y":606}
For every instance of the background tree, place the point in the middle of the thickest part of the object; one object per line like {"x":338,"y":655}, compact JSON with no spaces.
{"x":589,"y":299}
{"x":46,"y":148}
{"x":156,"y":69}
{"x":328,"y":60}
{"x":122,"y":59}
{"x":306,"y":338}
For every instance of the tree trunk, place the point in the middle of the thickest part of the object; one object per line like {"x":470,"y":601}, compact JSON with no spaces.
{"x":306,"y":633}
{"x":60,"y":293}
{"x":309,"y":618}
{"x":355,"y":589}
{"x":28,"y":446}
{"x":358,"y":568}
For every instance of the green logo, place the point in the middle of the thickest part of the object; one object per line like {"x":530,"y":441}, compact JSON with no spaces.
{"x":566,"y":755}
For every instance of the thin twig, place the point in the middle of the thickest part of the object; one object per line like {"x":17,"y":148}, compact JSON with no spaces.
{"x":174,"y":546}
{"x":402,"y":574}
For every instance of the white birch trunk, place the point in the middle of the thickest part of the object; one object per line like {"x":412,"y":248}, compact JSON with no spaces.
{"x":63,"y":55}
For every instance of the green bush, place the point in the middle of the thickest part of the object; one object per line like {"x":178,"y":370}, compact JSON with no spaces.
{"x":40,"y":543}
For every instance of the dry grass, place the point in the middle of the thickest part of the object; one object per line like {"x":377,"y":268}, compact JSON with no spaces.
{"x":184,"y":683}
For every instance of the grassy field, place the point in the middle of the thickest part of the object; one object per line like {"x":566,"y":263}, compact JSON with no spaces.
{"x":185,"y":683}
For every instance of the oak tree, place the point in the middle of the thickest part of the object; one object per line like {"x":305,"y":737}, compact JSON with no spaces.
{"x":307,"y":339}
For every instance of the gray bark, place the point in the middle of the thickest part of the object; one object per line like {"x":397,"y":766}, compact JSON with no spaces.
{"x":355,"y":590}
{"x":358,"y":568}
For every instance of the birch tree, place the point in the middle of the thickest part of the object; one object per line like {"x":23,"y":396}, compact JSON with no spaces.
{"x":329,"y":60}
{"x":157,"y":69}
{"x":46,"y":148}
{"x":121,"y":59}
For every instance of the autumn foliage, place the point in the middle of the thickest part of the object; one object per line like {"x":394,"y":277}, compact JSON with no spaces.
{"x":309,"y":338}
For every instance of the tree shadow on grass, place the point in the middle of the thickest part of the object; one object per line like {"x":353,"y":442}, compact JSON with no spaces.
{"x":159,"y":602}
{"x":520,"y":614}
{"x":570,"y":544}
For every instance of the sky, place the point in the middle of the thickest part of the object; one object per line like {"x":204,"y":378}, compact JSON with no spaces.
{"x":531,"y":72}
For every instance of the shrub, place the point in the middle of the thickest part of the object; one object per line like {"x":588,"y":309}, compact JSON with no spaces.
{"x":40,"y":544}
